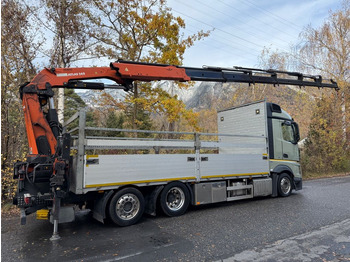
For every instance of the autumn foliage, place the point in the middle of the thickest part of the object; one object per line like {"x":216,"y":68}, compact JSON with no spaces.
{"x":326,"y":149}
{"x":327,"y":50}
{"x":16,"y":67}
{"x":70,"y":32}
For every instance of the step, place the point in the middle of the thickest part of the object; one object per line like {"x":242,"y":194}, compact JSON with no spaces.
{"x":239,"y":197}
{"x":231,"y":188}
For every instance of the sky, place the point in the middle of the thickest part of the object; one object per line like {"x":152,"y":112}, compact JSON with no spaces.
{"x":242,"y":28}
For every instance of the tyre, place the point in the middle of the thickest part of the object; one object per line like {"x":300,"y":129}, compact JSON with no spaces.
{"x":284,"y":185}
{"x":174,"y":199}
{"x":126,"y":207}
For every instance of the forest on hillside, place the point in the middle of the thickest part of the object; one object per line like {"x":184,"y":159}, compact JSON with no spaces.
{"x":62,"y":33}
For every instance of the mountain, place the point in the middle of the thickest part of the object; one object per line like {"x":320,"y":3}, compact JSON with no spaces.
{"x":201,"y":95}
{"x":91,"y":96}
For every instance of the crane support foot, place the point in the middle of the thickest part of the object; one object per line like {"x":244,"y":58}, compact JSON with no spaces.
{"x":55,"y":235}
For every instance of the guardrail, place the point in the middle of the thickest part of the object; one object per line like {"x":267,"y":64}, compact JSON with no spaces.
{"x":86,"y":142}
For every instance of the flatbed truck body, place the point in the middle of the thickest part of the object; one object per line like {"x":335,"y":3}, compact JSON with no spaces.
{"x":238,"y":155}
{"x":238,"y":168}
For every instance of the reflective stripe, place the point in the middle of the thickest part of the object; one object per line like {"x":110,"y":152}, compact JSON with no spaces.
{"x":281,"y":160}
{"x":246,"y":174}
{"x":139,"y":182}
{"x":91,"y":156}
{"x":171,"y":179}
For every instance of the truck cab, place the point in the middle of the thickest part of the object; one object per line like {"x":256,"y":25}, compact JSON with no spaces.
{"x":283,"y":133}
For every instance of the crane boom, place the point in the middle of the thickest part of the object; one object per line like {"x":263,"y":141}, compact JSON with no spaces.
{"x":43,"y":131}
{"x":149,"y":72}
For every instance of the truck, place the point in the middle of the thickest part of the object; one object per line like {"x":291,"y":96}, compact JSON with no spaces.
{"x":254,"y":153}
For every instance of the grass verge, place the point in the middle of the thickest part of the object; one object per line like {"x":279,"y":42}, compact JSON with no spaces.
{"x":311,"y":176}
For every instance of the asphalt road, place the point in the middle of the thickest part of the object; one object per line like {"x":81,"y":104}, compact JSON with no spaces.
{"x":310,"y":225}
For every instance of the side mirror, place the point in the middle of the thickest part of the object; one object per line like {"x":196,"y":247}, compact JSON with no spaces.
{"x":296,"y":132}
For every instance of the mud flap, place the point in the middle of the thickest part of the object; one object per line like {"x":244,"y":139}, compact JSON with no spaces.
{"x":151,"y":201}
{"x":274,"y":184}
{"x":99,"y":212}
{"x":298,"y":183}
{"x":23,"y":217}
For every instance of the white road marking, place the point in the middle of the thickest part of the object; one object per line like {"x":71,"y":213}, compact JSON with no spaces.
{"x":306,"y":247}
{"x":138,"y":253}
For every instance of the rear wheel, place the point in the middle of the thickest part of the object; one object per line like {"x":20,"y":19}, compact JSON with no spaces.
{"x":126,"y":207}
{"x":284,"y":185}
{"x":175,"y":199}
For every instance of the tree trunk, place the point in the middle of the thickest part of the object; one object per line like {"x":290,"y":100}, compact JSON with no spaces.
{"x":135,"y":109}
{"x":343,"y":109}
{"x":60,"y":105}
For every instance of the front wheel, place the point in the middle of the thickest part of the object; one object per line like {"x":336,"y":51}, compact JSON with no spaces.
{"x":175,"y":199}
{"x":284,"y":185}
{"x":126,"y":207}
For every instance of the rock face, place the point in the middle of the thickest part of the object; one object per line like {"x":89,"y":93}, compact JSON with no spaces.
{"x":202,"y":95}
{"x":207,"y":95}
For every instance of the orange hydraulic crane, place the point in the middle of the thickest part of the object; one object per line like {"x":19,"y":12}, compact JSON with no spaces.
{"x":42,"y":131}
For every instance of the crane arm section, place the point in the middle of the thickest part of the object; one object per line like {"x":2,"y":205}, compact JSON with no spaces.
{"x":150,"y":72}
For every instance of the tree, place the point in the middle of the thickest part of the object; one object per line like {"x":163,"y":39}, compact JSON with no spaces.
{"x":142,"y":31}
{"x":65,"y":20}
{"x":72,"y":103}
{"x":327,"y":50}
{"x":325,"y":148}
{"x":114,"y":121}
{"x":17,"y":55}
{"x":270,"y":59}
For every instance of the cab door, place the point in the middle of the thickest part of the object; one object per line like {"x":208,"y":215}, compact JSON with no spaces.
{"x":290,"y":134}
{"x":286,"y":136}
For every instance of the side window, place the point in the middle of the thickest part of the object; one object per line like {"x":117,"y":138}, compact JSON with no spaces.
{"x":287,"y":133}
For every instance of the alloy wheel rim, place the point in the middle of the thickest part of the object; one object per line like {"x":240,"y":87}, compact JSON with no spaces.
{"x":285,"y":185}
{"x":175,"y":198}
{"x":127,"y":206}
